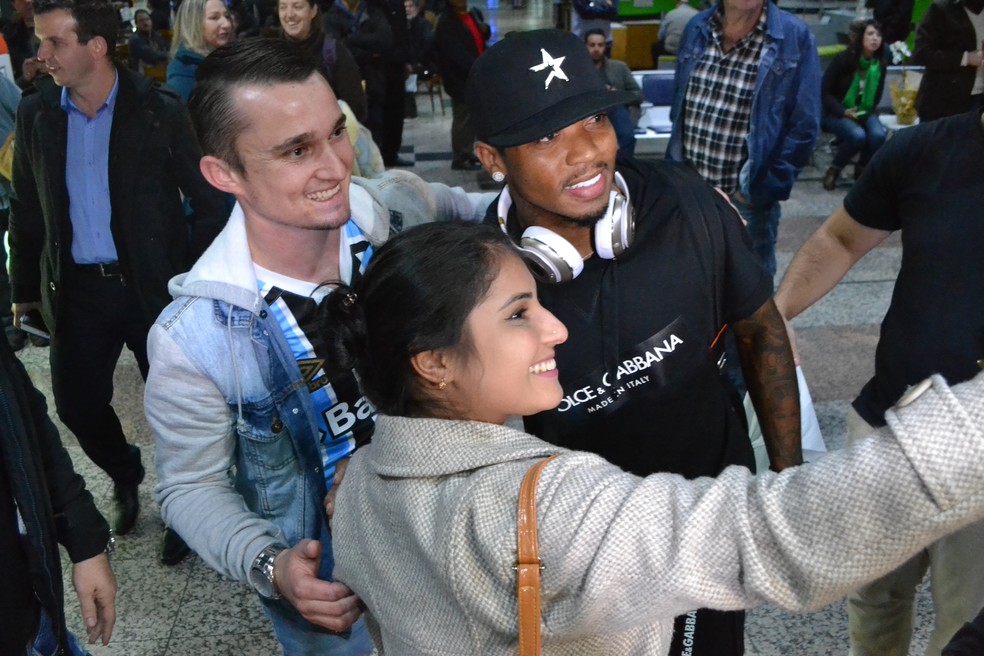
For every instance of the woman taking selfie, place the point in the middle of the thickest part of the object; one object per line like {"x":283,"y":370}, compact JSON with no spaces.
{"x":852,"y":88}
{"x":448,"y":338}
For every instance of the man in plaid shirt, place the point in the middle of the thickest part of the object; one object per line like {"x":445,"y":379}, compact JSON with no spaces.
{"x":746,"y":111}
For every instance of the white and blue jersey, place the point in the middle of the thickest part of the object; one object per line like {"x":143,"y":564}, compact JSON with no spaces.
{"x":346,"y":418}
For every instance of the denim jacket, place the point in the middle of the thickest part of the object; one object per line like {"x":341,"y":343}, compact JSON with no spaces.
{"x":785,"y":119}
{"x":238,"y":464}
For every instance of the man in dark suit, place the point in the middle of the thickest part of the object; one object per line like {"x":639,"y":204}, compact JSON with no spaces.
{"x":459,"y":39}
{"x":97,"y":225}
{"x":948,"y":44}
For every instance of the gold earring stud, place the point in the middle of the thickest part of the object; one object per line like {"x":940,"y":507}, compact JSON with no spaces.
{"x":442,"y":384}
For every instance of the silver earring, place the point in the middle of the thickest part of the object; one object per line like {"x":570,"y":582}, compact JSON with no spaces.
{"x":498,"y":176}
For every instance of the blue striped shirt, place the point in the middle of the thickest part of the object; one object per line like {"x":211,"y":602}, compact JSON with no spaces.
{"x":345,"y":417}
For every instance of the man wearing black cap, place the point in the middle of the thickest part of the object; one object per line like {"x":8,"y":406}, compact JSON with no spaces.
{"x":652,"y":265}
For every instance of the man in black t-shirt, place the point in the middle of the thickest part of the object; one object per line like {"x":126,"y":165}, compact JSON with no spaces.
{"x":644,"y":308}
{"x":927,"y":183}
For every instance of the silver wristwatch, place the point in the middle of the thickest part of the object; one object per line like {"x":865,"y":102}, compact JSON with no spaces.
{"x":261,"y":572}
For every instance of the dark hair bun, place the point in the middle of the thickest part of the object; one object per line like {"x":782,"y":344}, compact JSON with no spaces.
{"x":343,"y":328}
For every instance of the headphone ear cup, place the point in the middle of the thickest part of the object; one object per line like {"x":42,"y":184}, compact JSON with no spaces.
{"x":623,"y":224}
{"x":550,"y":257}
{"x":614,"y":231}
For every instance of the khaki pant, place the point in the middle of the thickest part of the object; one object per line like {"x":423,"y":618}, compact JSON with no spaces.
{"x":880,"y":614}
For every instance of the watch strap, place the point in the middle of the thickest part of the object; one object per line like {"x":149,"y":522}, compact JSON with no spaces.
{"x":261,"y":572}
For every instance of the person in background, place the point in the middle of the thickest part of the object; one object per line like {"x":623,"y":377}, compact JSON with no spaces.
{"x":924,"y":183}
{"x":580,"y":24}
{"x":147,"y":47}
{"x":160,"y":14}
{"x":617,"y":76}
{"x":894,"y":16}
{"x":200,"y":26}
{"x":364,"y":26}
{"x":301,"y":24}
{"x":671,"y":30}
{"x":43,"y":502}
{"x":10,"y":95}
{"x":852,"y":87}
{"x":420,"y":38}
{"x":949,"y":44}
{"x":104,"y":158}
{"x":23,"y":44}
{"x":758,"y":68}
{"x":459,"y":40}
{"x":396,"y":61}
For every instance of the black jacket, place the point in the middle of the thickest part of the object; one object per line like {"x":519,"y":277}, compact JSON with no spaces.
{"x":369,"y":38}
{"x":154,"y":156}
{"x":942,"y":37}
{"x":343,"y":75}
{"x":837,"y":80}
{"x":368,"y":34}
{"x":455,"y":50}
{"x":895,"y":17}
{"x":22,"y":45}
{"x":52,"y":498}
{"x":420,"y":39}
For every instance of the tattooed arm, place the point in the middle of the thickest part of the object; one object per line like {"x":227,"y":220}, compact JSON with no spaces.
{"x":770,"y":375}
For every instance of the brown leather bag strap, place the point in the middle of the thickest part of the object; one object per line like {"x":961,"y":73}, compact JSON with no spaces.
{"x":528,"y":563}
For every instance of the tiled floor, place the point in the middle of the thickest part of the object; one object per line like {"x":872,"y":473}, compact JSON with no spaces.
{"x":189,"y":609}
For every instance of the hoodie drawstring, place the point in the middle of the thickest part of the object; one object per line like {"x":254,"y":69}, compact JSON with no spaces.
{"x":240,"y":424}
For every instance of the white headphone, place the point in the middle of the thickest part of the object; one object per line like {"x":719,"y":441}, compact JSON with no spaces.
{"x":553,"y":259}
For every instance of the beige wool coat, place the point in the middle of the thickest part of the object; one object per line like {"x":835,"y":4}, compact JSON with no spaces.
{"x":425,"y":530}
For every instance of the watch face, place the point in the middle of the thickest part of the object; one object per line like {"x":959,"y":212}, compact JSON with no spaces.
{"x":261,"y":573}
{"x":260,"y":582}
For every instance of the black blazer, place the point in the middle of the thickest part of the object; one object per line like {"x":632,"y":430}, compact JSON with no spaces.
{"x":456,"y":51}
{"x":153,"y":157}
{"x":942,"y":37}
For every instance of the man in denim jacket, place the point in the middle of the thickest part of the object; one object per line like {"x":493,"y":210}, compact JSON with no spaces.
{"x":746,"y":110}
{"x":249,"y":428}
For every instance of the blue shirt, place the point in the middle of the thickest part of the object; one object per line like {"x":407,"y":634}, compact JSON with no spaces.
{"x":87,"y":179}
{"x":346,"y":417}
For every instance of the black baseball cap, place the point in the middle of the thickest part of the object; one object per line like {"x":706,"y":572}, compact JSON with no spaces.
{"x":531,"y":84}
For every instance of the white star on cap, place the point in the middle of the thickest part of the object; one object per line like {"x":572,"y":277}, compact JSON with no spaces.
{"x":554,"y":64}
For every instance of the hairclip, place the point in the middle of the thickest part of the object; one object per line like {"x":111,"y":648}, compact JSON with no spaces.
{"x":349,"y":299}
